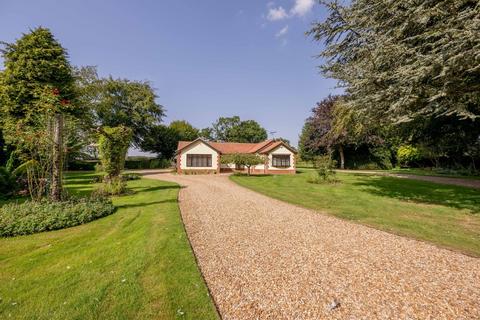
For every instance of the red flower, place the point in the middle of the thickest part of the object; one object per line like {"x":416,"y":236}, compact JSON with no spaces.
{"x":64,"y":102}
{"x":55,"y":91}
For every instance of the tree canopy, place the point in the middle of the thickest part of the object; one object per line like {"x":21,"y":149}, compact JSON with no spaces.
{"x":37,"y":79}
{"x":232,"y":129}
{"x":161,"y":140}
{"x":185,"y":130}
{"x":37,"y":89}
{"x":399,"y":60}
{"x":120,"y":102}
{"x":410,"y":70}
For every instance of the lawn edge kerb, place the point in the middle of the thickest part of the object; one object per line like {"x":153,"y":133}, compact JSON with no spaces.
{"x":192,"y":250}
{"x":365,"y":224}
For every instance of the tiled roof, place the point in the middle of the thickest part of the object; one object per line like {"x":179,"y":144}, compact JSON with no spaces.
{"x":236,"y":147}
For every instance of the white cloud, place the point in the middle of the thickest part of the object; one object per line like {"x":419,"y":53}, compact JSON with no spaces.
{"x":282,"y":32}
{"x":276,"y":14}
{"x":302,"y":7}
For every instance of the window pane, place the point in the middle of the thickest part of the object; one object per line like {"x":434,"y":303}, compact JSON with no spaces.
{"x":281,"y":160}
{"x":199,"y":160}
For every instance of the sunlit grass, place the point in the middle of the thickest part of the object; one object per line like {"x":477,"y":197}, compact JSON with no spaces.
{"x":136,"y":263}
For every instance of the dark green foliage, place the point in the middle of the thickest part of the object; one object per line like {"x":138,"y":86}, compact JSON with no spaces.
{"x":410,"y":67}
{"x":37,"y":90}
{"x":8,"y":183}
{"x":37,"y":78}
{"x":38,"y":216}
{"x":146,"y":163}
{"x":401,"y":60}
{"x":113,"y":146}
{"x":161,"y":140}
{"x":79,"y":165}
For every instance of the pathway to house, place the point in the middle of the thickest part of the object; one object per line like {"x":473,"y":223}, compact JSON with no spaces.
{"x":266,"y":259}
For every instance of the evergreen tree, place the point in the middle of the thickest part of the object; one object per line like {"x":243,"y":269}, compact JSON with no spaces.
{"x":38,"y":89}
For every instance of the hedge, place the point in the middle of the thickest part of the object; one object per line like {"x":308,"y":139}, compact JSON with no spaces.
{"x":38,"y":216}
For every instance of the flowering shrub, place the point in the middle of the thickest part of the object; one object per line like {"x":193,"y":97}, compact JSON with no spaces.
{"x":38,"y":216}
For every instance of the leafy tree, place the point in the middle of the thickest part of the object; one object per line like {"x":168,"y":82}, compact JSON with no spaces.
{"x":247,"y":131}
{"x":400,"y":60}
{"x":410,"y":66}
{"x":161,"y":140}
{"x":185,"y":130}
{"x":206,"y":134}
{"x":243,"y":159}
{"x":317,"y":134}
{"x":37,"y":88}
{"x":334,"y":125}
{"x":222,"y":127}
{"x":232,"y":129}
{"x":119,"y":102}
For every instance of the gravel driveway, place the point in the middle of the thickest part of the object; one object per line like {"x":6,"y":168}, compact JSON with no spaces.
{"x":266,"y":259}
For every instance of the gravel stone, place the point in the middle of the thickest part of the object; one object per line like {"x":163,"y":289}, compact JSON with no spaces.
{"x":266,"y":259}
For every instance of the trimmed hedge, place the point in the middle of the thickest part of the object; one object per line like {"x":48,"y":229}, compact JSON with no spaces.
{"x":147,"y":163}
{"x":135,"y":163}
{"x":38,"y":216}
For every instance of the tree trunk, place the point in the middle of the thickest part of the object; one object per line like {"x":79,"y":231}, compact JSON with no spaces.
{"x":248,"y":170}
{"x":342,"y":157}
{"x":57,"y":158}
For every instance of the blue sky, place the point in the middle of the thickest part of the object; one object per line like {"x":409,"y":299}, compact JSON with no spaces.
{"x":206,"y":58}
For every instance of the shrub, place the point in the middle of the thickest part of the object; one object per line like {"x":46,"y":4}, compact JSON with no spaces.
{"x":324,"y":170}
{"x":38,"y":216}
{"x":407,"y":155}
{"x":130,"y":176}
{"x":81,"y":165}
{"x":146,"y":163}
{"x":243,"y":159}
{"x":110,"y":187}
{"x":199,"y":171}
{"x":8,"y":183}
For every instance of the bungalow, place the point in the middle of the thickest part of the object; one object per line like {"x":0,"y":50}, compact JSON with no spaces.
{"x":200,"y":156}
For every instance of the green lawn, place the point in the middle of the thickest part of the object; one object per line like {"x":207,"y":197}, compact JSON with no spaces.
{"x":136,"y":263}
{"x":433,"y":172}
{"x":446,"y":215}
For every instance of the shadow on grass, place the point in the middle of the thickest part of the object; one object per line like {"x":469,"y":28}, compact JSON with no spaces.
{"x":422,"y":192}
{"x":148,"y":189}
{"x":143,"y":204}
